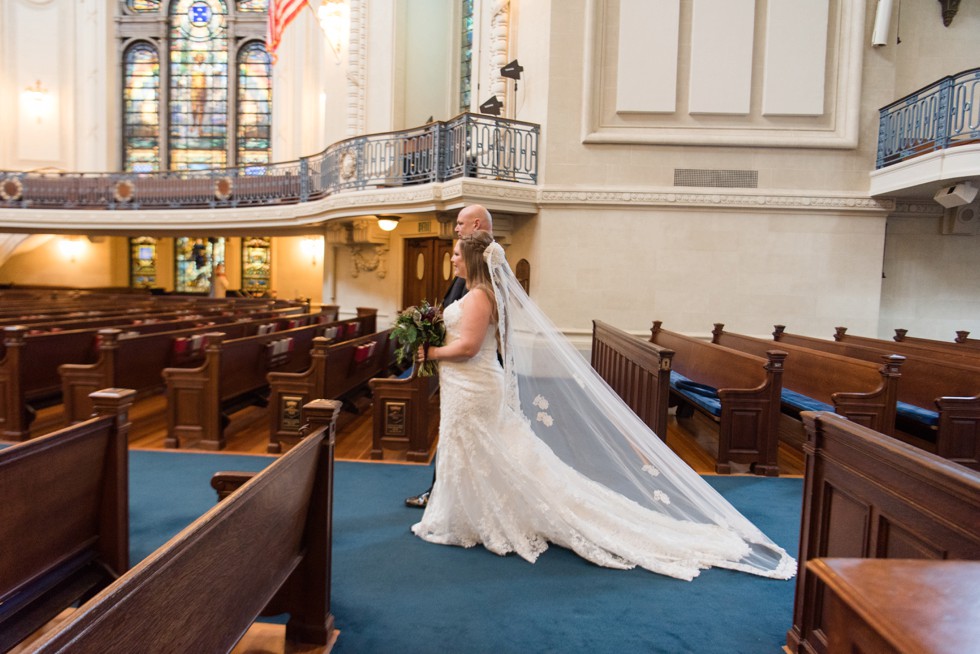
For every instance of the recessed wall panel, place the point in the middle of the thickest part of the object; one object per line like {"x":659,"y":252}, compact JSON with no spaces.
{"x":722,"y":33}
{"x":795,"y":57}
{"x":646,"y":76}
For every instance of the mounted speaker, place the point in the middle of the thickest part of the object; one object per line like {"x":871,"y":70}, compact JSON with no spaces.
{"x":962,"y":220}
{"x":956,"y":195}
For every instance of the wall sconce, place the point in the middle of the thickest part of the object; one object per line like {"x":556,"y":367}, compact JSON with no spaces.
{"x":37,"y":99}
{"x":334,"y":18}
{"x":71,"y":247}
{"x":388,"y":223}
{"x":312,"y":246}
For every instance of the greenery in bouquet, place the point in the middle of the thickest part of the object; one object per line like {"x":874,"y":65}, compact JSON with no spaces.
{"x":418,"y":326}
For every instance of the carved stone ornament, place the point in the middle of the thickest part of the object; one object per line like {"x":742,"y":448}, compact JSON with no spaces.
{"x":369,"y":259}
{"x":223,"y":188}
{"x":347,"y":164}
{"x":11,"y":189}
{"x":124,"y":190}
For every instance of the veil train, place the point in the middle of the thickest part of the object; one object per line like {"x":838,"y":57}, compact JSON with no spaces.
{"x":589,"y":427}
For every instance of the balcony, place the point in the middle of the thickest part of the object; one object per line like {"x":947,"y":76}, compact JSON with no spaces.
{"x":468,"y":146}
{"x":930,"y":138}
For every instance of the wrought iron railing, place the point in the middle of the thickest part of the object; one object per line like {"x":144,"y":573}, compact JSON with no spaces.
{"x":469,"y":145}
{"x":942,"y":115}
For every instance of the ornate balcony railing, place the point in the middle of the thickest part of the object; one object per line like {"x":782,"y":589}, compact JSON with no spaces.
{"x":469,"y":145}
{"x":942,"y":115}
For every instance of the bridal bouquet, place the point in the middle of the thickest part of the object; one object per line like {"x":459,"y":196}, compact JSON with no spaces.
{"x":415,"y":326}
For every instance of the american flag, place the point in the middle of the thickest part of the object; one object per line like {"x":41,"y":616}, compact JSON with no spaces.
{"x":281,"y":13}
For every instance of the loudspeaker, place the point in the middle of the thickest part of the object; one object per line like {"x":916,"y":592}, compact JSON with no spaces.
{"x":956,"y":195}
{"x":962,"y":220}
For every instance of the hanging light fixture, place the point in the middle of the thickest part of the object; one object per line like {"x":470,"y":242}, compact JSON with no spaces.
{"x":334,"y":18}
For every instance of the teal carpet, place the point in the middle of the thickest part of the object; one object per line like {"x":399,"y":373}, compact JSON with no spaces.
{"x":393,"y":592}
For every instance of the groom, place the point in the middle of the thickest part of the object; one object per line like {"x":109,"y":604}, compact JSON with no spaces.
{"x":469,"y":220}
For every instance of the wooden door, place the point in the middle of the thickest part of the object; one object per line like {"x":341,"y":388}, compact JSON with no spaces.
{"x":428,"y":271}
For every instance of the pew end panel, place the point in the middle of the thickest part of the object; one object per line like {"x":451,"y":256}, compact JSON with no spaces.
{"x":265,"y":549}
{"x":74,"y":484}
{"x":867,"y":495}
{"x":406,"y":415}
{"x":194,"y":401}
{"x":15,"y":418}
{"x":637,"y":370}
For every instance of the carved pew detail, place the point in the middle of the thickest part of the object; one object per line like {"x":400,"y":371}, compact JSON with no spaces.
{"x":406,"y":414}
{"x":639,"y":372}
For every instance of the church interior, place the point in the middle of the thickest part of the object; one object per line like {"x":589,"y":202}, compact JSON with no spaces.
{"x":757,"y":220}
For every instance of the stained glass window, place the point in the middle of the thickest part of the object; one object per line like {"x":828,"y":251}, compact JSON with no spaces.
{"x":198,"y":84}
{"x":143,"y":5}
{"x":254,"y":105}
{"x":142,"y":262}
{"x":256,"y":265}
{"x":466,"y":55}
{"x":195,"y":259}
{"x":253,"y":5}
{"x":141,"y":109}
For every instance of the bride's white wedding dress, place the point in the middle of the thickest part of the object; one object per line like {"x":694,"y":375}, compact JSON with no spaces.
{"x":589,"y":484}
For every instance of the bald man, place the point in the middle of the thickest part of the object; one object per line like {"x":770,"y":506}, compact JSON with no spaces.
{"x":470,"y":219}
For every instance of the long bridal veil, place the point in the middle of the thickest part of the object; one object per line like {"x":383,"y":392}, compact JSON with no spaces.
{"x":588,"y":426}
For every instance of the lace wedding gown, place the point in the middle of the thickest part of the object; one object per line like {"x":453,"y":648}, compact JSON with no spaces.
{"x":499,"y":484}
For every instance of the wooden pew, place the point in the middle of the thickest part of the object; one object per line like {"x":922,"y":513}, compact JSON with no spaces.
{"x":200,"y":400}
{"x":942,"y":352}
{"x":938,"y":401}
{"x":962,"y":343}
{"x":335,"y":370}
{"x":637,"y":370}
{"x":863,"y":391}
{"x":264,"y":550}
{"x":870,"y":496}
{"x":745,"y":405}
{"x":138,"y":362}
{"x":64,"y":519}
{"x":406,"y":414}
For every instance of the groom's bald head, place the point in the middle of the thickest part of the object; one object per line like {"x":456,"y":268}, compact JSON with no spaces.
{"x":473,"y":218}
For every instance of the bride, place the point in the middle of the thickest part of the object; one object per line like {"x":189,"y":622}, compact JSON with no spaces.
{"x":542,"y":451}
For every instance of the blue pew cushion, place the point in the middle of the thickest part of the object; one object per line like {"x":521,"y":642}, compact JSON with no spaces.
{"x":801,"y":402}
{"x":917,"y":414}
{"x":701,"y":395}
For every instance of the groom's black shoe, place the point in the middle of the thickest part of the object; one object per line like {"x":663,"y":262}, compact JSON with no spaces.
{"x":419,"y":501}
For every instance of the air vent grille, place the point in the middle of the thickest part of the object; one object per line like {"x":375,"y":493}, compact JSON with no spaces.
{"x":716,"y":178}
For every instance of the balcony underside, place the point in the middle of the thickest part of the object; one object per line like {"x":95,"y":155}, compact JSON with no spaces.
{"x":923,"y":175}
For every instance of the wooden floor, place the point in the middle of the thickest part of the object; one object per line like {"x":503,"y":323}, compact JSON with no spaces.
{"x":693,"y":439}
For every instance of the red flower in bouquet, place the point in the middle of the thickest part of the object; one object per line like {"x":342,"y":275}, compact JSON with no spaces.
{"x":417,"y":326}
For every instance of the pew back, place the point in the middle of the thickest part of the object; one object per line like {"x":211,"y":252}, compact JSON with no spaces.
{"x":64,"y":518}
{"x":870,"y":496}
{"x":266,"y":547}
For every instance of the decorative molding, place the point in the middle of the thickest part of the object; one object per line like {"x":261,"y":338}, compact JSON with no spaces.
{"x":357,"y":69}
{"x":917,"y":207}
{"x":499,"y":46}
{"x":364,"y":261}
{"x":714,"y":200}
{"x":838,"y":128}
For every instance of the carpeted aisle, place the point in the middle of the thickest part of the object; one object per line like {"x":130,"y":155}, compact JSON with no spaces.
{"x":392,"y":592}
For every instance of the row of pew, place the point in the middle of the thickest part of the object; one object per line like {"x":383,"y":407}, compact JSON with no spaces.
{"x":210,"y":359}
{"x":264,"y":549}
{"x":746,"y":383}
{"x":867,"y":495}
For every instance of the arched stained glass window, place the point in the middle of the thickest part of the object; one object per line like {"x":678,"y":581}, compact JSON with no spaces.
{"x":465,"y":54}
{"x":253,"y":5}
{"x":141,"y":108}
{"x":254,"y":105}
{"x":207,"y":77}
{"x":198,"y":84}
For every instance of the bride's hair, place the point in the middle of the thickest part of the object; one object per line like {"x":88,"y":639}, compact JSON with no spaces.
{"x":471,"y":248}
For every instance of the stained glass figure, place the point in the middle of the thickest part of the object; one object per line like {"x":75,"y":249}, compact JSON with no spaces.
{"x":142,"y":262}
{"x":195,"y":261}
{"x":256,"y":265}
{"x":141,"y":108}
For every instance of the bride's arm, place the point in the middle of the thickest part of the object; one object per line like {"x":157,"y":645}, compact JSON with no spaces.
{"x":473,"y":328}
